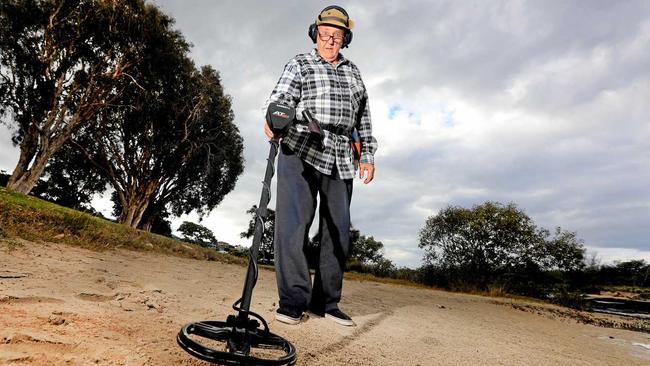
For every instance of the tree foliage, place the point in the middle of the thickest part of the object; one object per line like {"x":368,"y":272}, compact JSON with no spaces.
{"x":66,"y":186}
{"x":61,"y":62}
{"x":267,"y":252}
{"x":197,"y":234}
{"x":162,"y":135}
{"x":175,"y":149}
{"x":365,"y":254}
{"x":634,"y":273}
{"x":493,"y":242}
{"x":364,"y":249}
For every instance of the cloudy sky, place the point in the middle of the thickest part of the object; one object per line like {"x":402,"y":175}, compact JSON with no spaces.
{"x":542,"y":103}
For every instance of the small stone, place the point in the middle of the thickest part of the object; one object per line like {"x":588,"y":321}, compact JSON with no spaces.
{"x":441,"y":306}
{"x":152,"y":305}
{"x":56,"y":320}
{"x":59,"y":236}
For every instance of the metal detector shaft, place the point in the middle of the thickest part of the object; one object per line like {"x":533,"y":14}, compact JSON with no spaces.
{"x":259,"y":230}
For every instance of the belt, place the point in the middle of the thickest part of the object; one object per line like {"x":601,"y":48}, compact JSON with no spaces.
{"x":337,"y":130}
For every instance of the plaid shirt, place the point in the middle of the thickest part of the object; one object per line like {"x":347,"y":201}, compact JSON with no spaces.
{"x":337,"y":98}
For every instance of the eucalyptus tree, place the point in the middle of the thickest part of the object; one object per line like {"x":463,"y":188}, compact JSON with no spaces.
{"x":197,"y":234}
{"x":61,"y":63}
{"x":170,"y":148}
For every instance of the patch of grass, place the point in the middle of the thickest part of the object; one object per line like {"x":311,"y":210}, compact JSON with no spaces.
{"x":497,"y":291}
{"x":9,"y":244}
{"x":33,"y":219}
{"x":357,"y":276}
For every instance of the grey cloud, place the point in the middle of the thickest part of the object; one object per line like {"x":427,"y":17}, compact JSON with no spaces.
{"x":577,"y":157}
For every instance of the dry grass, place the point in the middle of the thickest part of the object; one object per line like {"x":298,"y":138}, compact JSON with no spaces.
{"x":34,"y":219}
{"x":357,"y":276}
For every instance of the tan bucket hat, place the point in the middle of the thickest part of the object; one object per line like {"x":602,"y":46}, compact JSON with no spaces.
{"x":336,"y":16}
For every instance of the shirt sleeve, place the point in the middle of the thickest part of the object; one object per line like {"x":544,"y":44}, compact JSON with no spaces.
{"x":287,"y":90}
{"x":364,"y":127}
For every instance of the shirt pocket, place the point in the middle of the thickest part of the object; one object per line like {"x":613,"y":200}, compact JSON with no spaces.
{"x":315,"y":85}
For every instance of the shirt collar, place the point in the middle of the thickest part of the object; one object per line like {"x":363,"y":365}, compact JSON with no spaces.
{"x":340,"y":59}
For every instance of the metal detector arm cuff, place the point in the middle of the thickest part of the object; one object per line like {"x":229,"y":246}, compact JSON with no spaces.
{"x":280,"y":117}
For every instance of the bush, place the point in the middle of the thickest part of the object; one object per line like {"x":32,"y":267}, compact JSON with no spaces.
{"x":574,"y":300}
{"x":382,"y":268}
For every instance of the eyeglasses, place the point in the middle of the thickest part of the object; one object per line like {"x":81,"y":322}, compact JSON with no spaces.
{"x":326,"y":37}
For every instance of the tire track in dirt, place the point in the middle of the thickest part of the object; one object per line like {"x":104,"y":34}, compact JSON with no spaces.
{"x":12,"y":300}
{"x":326,"y":352}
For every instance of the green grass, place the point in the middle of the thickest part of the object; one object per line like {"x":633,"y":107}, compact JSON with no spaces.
{"x":33,"y":219}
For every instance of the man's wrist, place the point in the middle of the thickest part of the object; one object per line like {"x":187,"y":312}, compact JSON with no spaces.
{"x":367,"y":158}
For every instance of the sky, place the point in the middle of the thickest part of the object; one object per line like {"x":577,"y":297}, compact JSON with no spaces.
{"x":541,"y":103}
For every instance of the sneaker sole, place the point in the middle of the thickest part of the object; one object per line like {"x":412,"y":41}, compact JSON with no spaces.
{"x":286,"y":319}
{"x":347,"y":323}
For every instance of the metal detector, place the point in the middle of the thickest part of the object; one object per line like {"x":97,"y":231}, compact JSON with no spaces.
{"x":241,"y":340}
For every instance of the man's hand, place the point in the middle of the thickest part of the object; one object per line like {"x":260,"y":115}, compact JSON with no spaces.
{"x":267,"y":131}
{"x":368,"y":171}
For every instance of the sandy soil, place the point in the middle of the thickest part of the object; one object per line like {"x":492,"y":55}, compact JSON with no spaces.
{"x":61,"y":305}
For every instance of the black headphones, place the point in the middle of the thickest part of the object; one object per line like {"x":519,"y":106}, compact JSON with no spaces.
{"x":313,"y":28}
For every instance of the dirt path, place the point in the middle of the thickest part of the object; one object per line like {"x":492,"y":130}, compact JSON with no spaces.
{"x":61,"y":305}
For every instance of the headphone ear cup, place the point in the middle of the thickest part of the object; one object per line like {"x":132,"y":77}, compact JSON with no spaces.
{"x":347,"y":38}
{"x":312,"y":32}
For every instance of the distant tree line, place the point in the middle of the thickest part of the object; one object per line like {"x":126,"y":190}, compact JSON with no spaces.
{"x":634,"y":273}
{"x":496,"y":245}
{"x":366,"y":254}
{"x":489,"y":247}
{"x":493,"y":246}
{"x":102,"y":93}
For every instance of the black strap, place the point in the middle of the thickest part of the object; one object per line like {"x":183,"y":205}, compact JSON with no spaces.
{"x":337,"y":130}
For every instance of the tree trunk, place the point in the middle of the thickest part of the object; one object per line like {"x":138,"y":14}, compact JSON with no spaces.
{"x":132,"y":212}
{"x":147,"y":225}
{"x":148,"y":221}
{"x":23,"y":179}
{"x":134,"y":205}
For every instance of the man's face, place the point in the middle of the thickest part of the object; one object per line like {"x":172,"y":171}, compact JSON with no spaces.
{"x":328,"y":46}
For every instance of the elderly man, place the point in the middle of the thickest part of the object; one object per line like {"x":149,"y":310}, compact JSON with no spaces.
{"x":330,"y":87}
